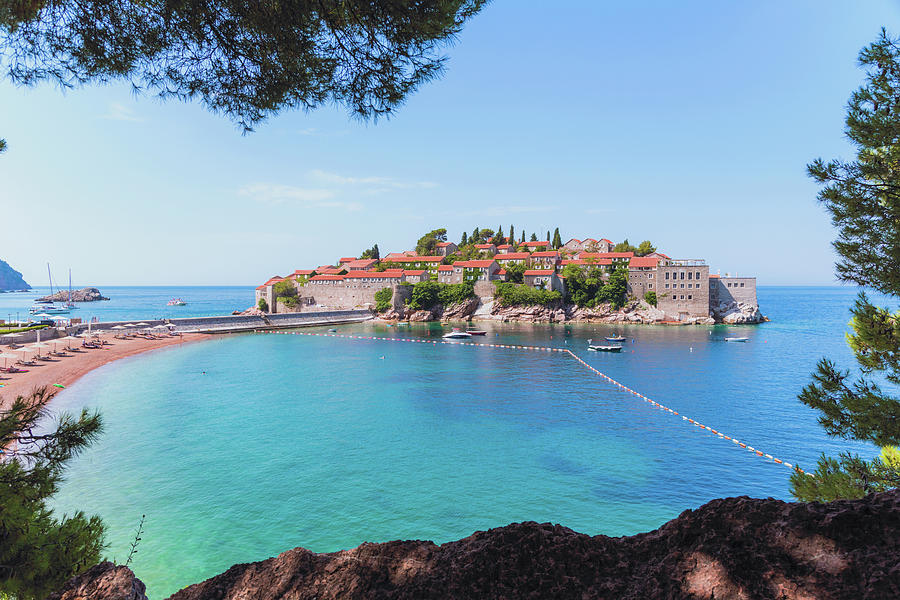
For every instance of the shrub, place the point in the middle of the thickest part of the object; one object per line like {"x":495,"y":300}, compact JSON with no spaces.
{"x":427,"y":294}
{"x":383,"y":299}
{"x":289,"y":301}
{"x":650,"y":297}
{"x":263,"y":305}
{"x":511,"y":294}
{"x":285,"y":289}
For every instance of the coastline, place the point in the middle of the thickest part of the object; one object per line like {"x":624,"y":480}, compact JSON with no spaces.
{"x":68,"y":370}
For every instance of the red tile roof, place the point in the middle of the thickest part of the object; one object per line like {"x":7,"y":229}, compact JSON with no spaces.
{"x":583,"y":262}
{"x":328,"y":278}
{"x":513,"y":256}
{"x":320,"y":267}
{"x":501,"y":272}
{"x":360,"y":263}
{"x":328,"y":271}
{"x":443,"y":244}
{"x":546,"y":254}
{"x":445,"y":268}
{"x":711,"y":277}
{"x":483,"y":246}
{"x":539,"y":272}
{"x":606,"y":255}
{"x":415,"y":259}
{"x":474,"y":264}
{"x":606,"y":240}
{"x":347,"y":259}
{"x":373,"y":274}
{"x":303,"y":272}
{"x":536,"y":244}
{"x":272,"y":280}
{"x":589,"y":240}
{"x":414,"y":272}
{"x":643,"y":261}
{"x":503,"y":246}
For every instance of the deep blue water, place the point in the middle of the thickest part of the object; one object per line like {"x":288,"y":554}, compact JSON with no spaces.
{"x":320,"y":442}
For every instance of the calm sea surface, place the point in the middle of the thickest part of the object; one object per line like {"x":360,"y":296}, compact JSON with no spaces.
{"x":327,"y":443}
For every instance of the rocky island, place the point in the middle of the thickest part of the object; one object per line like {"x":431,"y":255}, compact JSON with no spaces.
{"x":88,"y":294}
{"x":490,"y":276}
{"x":742,"y":548}
{"x":10,"y":279}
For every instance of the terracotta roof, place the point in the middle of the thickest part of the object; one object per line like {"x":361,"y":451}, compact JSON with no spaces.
{"x":414,"y":259}
{"x":347,"y":259}
{"x":303,"y":272}
{"x":643,"y":261}
{"x":263,"y":286}
{"x":485,"y":246}
{"x":504,"y":247}
{"x":474,"y":264}
{"x":513,"y":256}
{"x":373,"y":275}
{"x":539,"y":272}
{"x":443,"y":244}
{"x":328,"y":278}
{"x":711,"y":277}
{"x":328,"y":271}
{"x":537,"y":243}
{"x":547,"y":254}
{"x":272,"y":280}
{"x":659,"y":254}
{"x":606,"y":240}
{"x":320,"y":267}
{"x":581,"y":261}
{"x":501,"y":272}
{"x":574,"y":240}
{"x":445,"y":268}
{"x":362,"y":263}
{"x":414,"y":272}
{"x":590,"y":240}
{"x":606,"y":255}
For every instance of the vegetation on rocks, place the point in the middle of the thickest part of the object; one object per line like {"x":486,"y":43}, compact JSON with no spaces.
{"x":383,"y":299}
{"x":511,"y":294}
{"x":589,"y":287}
{"x":428,"y":294}
{"x":286,"y":293}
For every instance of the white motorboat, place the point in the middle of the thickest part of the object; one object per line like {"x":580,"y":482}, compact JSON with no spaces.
{"x":736,"y":339}
{"x":604,"y":348}
{"x":456,"y":334}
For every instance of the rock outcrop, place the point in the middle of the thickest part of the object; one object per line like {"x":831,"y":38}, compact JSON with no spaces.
{"x":738,"y":313}
{"x":733,"y":548}
{"x":88,"y":294}
{"x":105,"y":581}
{"x":460,"y":311}
{"x":634,"y":312}
{"x":10,"y":279}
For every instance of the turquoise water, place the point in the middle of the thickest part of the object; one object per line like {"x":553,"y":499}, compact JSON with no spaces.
{"x":319,"y":442}
{"x":132,"y":303}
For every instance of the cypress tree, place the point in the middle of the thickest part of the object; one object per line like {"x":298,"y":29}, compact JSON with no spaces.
{"x":557,"y":241}
{"x":534,"y":237}
{"x":523,"y":236}
{"x":512,"y":235}
{"x":863,"y":197}
{"x":464,"y":240}
{"x":40,"y":551}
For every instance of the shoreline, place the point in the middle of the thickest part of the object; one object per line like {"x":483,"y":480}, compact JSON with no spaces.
{"x":66,"y":371}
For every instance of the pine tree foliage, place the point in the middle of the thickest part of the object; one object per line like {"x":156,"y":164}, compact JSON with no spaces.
{"x":863,"y":198}
{"x":41,"y":550}
{"x":247,"y":60}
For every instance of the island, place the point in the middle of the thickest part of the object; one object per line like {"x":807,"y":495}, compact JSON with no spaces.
{"x":492,"y":276}
{"x":88,"y":294}
{"x":10,"y":279}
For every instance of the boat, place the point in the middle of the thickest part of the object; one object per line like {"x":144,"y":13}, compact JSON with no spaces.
{"x":605,"y":348}
{"x":49,"y":306}
{"x":69,"y":304}
{"x":476,"y":332}
{"x":176,"y":302}
{"x":736,"y":339}
{"x":456,"y":334}
{"x":615,"y":338}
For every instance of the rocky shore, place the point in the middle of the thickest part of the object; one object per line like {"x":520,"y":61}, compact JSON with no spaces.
{"x":741,"y":548}
{"x":88,"y":294}
{"x":635,"y":312}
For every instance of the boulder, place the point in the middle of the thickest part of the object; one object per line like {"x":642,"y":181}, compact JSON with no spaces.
{"x":105,"y":581}
{"x":738,"y":313}
{"x":88,"y":294}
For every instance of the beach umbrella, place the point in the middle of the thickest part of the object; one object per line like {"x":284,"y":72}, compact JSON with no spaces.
{"x":142,"y":324}
{"x":6,"y":356}
{"x":118,"y":326}
{"x":160,"y":327}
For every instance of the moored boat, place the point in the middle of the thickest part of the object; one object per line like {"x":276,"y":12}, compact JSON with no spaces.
{"x":605,"y":348}
{"x":615,"y":338}
{"x":736,"y":339}
{"x":476,"y":332}
{"x":176,"y":302}
{"x":456,"y":334}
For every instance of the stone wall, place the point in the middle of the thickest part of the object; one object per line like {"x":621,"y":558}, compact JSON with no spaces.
{"x":678,"y":300}
{"x":724,"y":290}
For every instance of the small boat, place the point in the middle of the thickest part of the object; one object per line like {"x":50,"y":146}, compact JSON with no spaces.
{"x":176,"y":302}
{"x":615,"y":338}
{"x":50,"y":309}
{"x":605,"y":348}
{"x":456,"y":334}
{"x":476,"y":332}
{"x":332,"y":330}
{"x":736,"y":339}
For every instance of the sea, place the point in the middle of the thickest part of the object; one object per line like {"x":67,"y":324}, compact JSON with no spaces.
{"x":238,"y":448}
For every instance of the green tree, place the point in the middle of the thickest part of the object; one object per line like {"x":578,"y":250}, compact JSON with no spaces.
{"x":534,"y":237}
{"x":650,"y":297}
{"x":476,"y":236}
{"x":624,"y":247}
{"x":557,"y":241}
{"x":285,"y":289}
{"x":262,"y":305}
{"x":427,"y":244}
{"x":464,"y":240}
{"x":383,"y":299}
{"x":523,"y":237}
{"x":515,"y":272}
{"x":512,"y":235}
{"x":497,"y":240}
{"x":40,"y":551}
{"x":863,"y":197}
{"x":615,"y":290}
{"x":644,"y":248}
{"x":247,"y":60}
{"x":372,"y":252}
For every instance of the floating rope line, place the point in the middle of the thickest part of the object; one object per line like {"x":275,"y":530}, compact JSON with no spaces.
{"x":609,"y":379}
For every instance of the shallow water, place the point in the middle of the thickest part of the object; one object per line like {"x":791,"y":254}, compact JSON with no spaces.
{"x":319,"y":442}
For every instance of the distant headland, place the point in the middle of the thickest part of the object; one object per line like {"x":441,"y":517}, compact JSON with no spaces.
{"x":10,"y":279}
{"x":491,"y":276}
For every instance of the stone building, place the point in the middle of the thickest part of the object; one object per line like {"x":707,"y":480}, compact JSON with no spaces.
{"x":642,"y":275}
{"x":445,"y":248}
{"x":486,"y":248}
{"x":724,"y":290}
{"x":544,"y":279}
{"x":479,"y":270}
{"x":682,"y":288}
{"x":514,"y":257}
{"x":548,"y":259}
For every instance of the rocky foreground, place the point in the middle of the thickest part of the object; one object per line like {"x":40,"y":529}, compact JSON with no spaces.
{"x":636,"y":312}
{"x":734,"y":548}
{"x":88,"y":294}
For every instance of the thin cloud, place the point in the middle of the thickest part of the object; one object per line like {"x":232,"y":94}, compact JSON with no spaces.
{"x":381,"y":183}
{"x":120,"y":112}
{"x":270,"y":194}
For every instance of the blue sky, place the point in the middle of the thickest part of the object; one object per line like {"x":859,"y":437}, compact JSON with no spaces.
{"x":689,"y":124}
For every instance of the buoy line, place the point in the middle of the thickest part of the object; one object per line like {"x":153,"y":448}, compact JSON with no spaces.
{"x":609,"y":379}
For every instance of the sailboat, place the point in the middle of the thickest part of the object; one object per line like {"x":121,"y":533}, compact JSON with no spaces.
{"x":51,"y":308}
{"x":70,"y":305}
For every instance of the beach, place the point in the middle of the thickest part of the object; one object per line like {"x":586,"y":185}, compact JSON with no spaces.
{"x":67,"y":370}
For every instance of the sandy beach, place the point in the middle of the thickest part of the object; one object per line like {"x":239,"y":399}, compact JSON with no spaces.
{"x":66,"y":370}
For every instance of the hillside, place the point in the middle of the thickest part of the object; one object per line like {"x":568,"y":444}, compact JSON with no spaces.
{"x":10,"y":279}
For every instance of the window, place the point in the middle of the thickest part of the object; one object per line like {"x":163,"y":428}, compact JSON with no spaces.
{"x":682,"y":286}
{"x":689,"y":296}
{"x":682,"y":296}
{"x":650,"y":276}
{"x":698,"y":275}
{"x":667,"y":276}
{"x":667,"y":286}
{"x":690,"y":276}
{"x":742,"y":284}
{"x":651,"y":286}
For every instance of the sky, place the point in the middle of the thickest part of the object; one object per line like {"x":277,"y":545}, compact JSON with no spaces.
{"x":689,"y":124}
